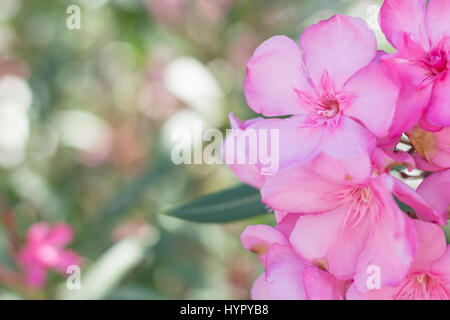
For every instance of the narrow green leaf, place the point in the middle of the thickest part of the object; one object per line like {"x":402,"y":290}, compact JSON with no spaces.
{"x":234,"y":204}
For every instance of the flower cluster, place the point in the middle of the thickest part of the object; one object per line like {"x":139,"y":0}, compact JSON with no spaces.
{"x":342,"y":108}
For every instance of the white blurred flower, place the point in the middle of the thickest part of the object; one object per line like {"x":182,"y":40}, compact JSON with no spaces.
{"x":15,"y":101}
{"x":9,"y":8}
{"x":187,"y":121}
{"x":85,"y":132}
{"x":190,"y":81}
{"x":34,"y":187}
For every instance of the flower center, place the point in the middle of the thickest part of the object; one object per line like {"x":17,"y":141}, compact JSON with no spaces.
{"x":437,"y":61}
{"x":329,"y":108}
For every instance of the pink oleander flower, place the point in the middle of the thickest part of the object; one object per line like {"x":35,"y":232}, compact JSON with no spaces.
{"x":287,"y":275}
{"x":432,"y":147}
{"x":45,"y":250}
{"x":421,"y":35}
{"x":348,"y":216}
{"x":338,"y":95}
{"x":428,"y":277}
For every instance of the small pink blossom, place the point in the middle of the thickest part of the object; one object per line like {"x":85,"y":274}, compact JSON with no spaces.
{"x":45,"y":250}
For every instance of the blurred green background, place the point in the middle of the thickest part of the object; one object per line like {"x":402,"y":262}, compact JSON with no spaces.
{"x":86,"y":117}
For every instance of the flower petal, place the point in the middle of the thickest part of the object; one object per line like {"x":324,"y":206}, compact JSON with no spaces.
{"x":36,"y":276}
{"x":260,"y":290}
{"x":384,"y":293}
{"x":348,"y":138}
{"x":298,"y":189}
{"x":320,"y":285}
{"x":374,"y":97}
{"x":438,"y":112}
{"x":431,"y":246}
{"x":60,"y":235}
{"x":315,"y":234}
{"x":435,"y":189}
{"x":294,"y":144}
{"x":66,"y":259}
{"x":341,"y":45}
{"x":404,"y":16}
{"x":442,"y":266}
{"x":391,"y":244}
{"x":413,"y":199}
{"x":349,"y":170}
{"x":38,"y":233}
{"x":284,"y":271}
{"x":260,"y":238}
{"x":247,"y":172}
{"x":273,"y":73}
{"x":438,"y":20}
{"x":410,"y":106}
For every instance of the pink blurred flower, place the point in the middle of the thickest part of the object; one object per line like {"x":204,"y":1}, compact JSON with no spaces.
{"x":432,"y":147}
{"x":45,"y":250}
{"x":338,"y":98}
{"x":429,"y":275}
{"x":167,"y":11}
{"x":287,"y":275}
{"x":421,"y":35}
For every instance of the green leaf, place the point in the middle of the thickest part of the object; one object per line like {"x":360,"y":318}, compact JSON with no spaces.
{"x":234,"y":204}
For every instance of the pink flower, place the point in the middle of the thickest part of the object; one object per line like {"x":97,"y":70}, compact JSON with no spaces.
{"x":338,"y":98}
{"x":287,"y":275}
{"x":432,"y":147}
{"x":348,"y":216}
{"x":44,"y":250}
{"x":429,"y":275}
{"x":421,"y":35}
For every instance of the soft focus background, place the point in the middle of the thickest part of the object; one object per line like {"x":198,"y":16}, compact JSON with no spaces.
{"x":86,"y":118}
